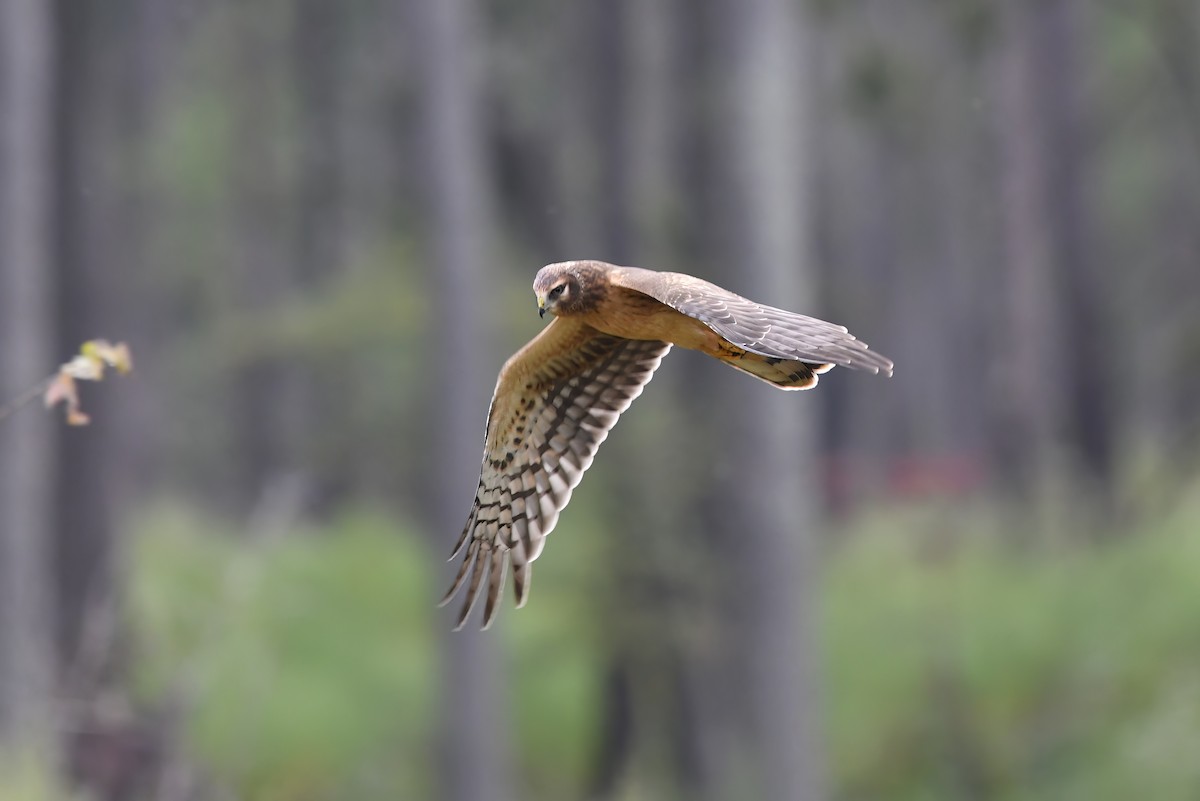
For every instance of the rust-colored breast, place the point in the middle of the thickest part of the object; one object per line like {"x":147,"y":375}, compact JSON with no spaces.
{"x":633,"y":315}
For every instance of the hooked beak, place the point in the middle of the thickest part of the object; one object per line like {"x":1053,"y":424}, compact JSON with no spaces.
{"x":541,"y":306}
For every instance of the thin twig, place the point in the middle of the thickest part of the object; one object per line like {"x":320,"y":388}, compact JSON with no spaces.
{"x":25,"y":397}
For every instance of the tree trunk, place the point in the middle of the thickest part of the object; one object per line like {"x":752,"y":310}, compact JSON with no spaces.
{"x":99,"y":126}
{"x":770,"y":504}
{"x":319,"y":66}
{"x":1089,"y":378}
{"x":267,"y":406}
{"x":1029,"y":347}
{"x":1054,"y":322}
{"x":26,"y":354}
{"x":474,"y":753}
{"x":647,"y":734}
{"x":83,"y":503}
{"x":1167,"y":346}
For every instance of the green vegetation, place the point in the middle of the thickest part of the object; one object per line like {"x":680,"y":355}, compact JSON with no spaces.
{"x":306,"y":661}
{"x":961,"y":667}
{"x":25,"y":777}
{"x":957,"y":665}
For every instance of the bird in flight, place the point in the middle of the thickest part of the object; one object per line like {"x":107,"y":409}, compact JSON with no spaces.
{"x":558,"y":397}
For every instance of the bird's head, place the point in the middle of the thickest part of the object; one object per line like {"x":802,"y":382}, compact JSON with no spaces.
{"x":563,"y":288}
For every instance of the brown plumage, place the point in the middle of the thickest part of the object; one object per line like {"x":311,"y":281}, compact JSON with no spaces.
{"x":558,"y":397}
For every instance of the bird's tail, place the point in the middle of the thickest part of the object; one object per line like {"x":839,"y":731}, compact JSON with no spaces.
{"x":783,"y":373}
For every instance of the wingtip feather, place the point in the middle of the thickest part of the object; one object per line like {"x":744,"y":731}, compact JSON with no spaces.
{"x":495,"y":587}
{"x":459,"y":577}
{"x":481,"y":566}
{"x":462,"y":538}
{"x":521,"y":575}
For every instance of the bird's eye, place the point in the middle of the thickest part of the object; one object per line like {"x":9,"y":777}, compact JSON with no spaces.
{"x":557,"y":291}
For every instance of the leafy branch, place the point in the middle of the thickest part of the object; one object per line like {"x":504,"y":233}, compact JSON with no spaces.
{"x":94,"y":358}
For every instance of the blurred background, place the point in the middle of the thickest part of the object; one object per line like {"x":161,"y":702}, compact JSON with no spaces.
{"x":316,"y":224}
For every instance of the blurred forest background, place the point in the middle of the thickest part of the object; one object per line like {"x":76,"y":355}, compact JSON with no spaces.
{"x":316,"y":223}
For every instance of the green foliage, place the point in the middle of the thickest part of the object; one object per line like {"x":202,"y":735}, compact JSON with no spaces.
{"x":306,"y":661}
{"x":556,"y":696}
{"x":27,"y":777}
{"x":372,"y":308}
{"x":959,"y":666}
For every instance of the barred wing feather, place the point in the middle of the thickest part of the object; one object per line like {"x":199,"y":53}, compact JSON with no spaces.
{"x":555,"y":402}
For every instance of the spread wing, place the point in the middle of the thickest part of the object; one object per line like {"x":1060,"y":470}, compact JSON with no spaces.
{"x":761,"y":329}
{"x":555,"y":402}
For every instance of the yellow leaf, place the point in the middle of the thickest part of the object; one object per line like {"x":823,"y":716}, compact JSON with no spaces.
{"x":116,"y":356}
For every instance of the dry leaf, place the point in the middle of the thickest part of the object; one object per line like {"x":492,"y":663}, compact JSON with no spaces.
{"x":77,"y":418}
{"x":62,"y":388}
{"x":87,"y":366}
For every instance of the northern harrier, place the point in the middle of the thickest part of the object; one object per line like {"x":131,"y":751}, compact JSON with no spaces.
{"x":558,"y":397}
